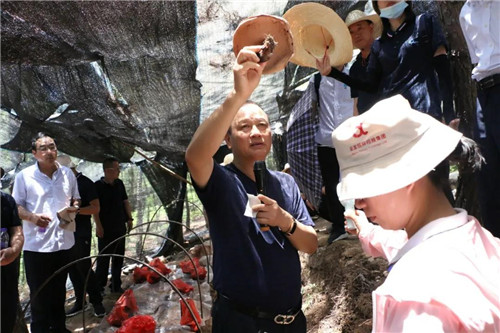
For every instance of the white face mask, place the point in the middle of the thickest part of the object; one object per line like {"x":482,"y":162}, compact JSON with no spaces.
{"x":394,"y":11}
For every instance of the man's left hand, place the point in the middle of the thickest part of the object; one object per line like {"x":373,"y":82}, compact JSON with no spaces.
{"x":270,"y":213}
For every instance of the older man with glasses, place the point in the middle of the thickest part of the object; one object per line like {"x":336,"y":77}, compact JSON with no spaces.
{"x":41,"y":191}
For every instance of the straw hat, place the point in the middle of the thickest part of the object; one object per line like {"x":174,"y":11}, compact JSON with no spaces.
{"x":389,"y":147}
{"x":66,"y":161}
{"x":315,"y":28}
{"x":253,"y":30}
{"x":357,"y":15}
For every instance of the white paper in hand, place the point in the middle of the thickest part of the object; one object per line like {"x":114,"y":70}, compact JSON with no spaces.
{"x":252,"y":201}
{"x":66,"y":218}
{"x":349,"y":205}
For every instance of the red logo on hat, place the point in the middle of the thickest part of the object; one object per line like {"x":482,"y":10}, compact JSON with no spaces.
{"x":361,"y":131}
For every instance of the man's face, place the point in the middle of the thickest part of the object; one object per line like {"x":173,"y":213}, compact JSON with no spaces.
{"x":112,"y":172}
{"x":250,"y":137}
{"x":362,"y":34}
{"x":46,"y":151}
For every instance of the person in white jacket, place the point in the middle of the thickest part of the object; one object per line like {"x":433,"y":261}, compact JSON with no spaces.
{"x":443,"y":265}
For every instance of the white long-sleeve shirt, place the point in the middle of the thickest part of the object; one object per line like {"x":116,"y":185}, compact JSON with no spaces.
{"x":335,"y":106}
{"x":480,"y":23}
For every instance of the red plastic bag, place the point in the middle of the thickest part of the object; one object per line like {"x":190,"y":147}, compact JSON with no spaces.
{"x":140,"y":274}
{"x":153,"y":277}
{"x":157,"y":264}
{"x":187,"y":268}
{"x":182,"y":286}
{"x":124,"y":308}
{"x":138,"y":324}
{"x":160,"y":266}
{"x":186,"y":317}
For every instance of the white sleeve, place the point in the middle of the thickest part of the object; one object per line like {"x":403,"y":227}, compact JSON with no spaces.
{"x":19,"y":190}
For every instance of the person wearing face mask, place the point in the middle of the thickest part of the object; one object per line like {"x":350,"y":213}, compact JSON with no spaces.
{"x":408,"y":59}
{"x":443,"y":265}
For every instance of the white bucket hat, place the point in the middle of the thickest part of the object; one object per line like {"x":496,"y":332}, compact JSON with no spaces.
{"x":66,"y":161}
{"x":316,"y":28}
{"x":389,"y":147}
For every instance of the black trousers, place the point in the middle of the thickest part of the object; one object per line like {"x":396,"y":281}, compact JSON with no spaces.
{"x":227,"y":320}
{"x":47,"y":308}
{"x":78,"y":273}
{"x":330,"y":171}
{"x":9,"y":275}
{"x":116,"y":262}
{"x":489,"y":176}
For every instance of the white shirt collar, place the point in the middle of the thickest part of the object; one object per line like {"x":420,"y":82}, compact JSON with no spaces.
{"x":431,"y":229}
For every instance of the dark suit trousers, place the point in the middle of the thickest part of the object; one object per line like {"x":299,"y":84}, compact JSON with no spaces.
{"x":78,"y":273}
{"x":47,"y":307}
{"x":116,"y":262}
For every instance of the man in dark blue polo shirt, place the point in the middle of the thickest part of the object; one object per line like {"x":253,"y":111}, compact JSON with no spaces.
{"x":256,"y":268}
{"x":408,"y":59}
{"x":115,"y":216}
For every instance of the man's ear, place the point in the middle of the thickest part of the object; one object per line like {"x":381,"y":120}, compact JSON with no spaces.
{"x":227,"y":138}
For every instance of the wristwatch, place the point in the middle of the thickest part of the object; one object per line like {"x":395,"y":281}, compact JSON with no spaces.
{"x":292,"y":229}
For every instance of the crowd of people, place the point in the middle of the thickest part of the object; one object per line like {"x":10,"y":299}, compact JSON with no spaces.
{"x":55,"y":203}
{"x":386,"y":136}
{"x":388,"y":150}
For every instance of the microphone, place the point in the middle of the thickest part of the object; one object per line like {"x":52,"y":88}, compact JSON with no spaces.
{"x":259,"y":171}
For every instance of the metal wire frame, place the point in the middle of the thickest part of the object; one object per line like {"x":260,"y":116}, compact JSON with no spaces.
{"x":188,"y":228}
{"x":186,"y":225}
{"x":74,"y":262}
{"x":165,"y":238}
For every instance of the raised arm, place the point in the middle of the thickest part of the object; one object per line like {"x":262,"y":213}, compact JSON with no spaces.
{"x":369,"y":84}
{"x":206,"y":140}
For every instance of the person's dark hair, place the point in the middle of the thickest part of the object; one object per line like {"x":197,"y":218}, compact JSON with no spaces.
{"x":468,"y":157}
{"x":108,"y":162}
{"x":38,"y":136}
{"x":410,"y":15}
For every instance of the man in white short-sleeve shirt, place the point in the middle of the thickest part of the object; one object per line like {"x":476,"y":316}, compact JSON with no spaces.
{"x":40,"y":191}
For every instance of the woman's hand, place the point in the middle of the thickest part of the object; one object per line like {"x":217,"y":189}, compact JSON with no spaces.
{"x":359,"y":219}
{"x":323,"y":65}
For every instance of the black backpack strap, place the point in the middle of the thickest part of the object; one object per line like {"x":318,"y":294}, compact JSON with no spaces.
{"x":315,"y":104}
{"x":317,"y":82}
